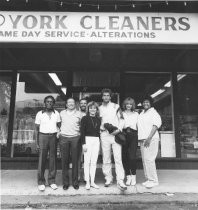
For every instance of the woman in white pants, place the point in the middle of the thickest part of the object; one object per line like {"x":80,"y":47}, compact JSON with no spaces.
{"x":149,"y":121}
{"x":90,"y":133}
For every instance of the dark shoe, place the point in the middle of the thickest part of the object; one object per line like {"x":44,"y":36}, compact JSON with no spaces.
{"x":76,"y":186}
{"x":65,"y":187}
{"x":82,"y":181}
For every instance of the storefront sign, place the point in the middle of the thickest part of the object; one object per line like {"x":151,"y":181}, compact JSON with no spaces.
{"x":68,"y":27}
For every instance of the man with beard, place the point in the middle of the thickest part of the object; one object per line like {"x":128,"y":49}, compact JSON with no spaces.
{"x":83,"y":107}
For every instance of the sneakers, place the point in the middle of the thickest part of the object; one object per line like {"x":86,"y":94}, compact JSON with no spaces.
{"x":54,"y":186}
{"x":121,"y":185}
{"x":41,"y":187}
{"x":144,"y":183}
{"x":108,"y":183}
{"x":151,"y":184}
{"x":87,"y":186}
{"x":129,"y":179}
{"x":133,"y":180}
{"x":94,"y":186}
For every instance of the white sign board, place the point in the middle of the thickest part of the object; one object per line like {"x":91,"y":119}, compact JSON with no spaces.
{"x":167,"y":144}
{"x":93,"y":27}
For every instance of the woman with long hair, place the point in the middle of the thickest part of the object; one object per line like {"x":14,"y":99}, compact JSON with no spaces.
{"x":90,"y":134}
{"x":130,"y":148}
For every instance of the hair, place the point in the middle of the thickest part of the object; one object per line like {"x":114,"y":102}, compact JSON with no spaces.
{"x":69,"y":99}
{"x":148,"y":98}
{"x":93,"y":103}
{"x":106,"y":90}
{"x":83,"y":99}
{"x":127,"y":100}
{"x":53,"y":99}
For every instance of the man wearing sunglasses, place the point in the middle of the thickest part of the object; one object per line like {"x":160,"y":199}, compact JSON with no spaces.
{"x":47,"y":124}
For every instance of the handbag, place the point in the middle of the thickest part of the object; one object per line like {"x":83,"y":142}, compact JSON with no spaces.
{"x":120,"y":138}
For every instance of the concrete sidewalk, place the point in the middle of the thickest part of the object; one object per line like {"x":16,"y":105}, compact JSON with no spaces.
{"x":23,"y":182}
{"x":18,"y":187}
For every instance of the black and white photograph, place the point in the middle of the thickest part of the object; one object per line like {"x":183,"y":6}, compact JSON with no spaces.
{"x":99,"y":104}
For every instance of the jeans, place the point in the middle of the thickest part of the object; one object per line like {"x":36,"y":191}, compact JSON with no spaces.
{"x":129,"y":153}
{"x":91,"y":157}
{"x":108,"y":142}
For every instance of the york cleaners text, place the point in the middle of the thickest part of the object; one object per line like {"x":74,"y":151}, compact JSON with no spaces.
{"x":94,"y":22}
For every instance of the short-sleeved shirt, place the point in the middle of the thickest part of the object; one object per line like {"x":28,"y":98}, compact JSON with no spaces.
{"x":109,"y":114}
{"x":130,"y":120}
{"x":146,"y":121}
{"x":70,"y":123}
{"x":48,"y":124}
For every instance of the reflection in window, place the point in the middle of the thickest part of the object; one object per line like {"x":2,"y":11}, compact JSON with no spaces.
{"x":5,"y":94}
{"x":32,"y":88}
{"x":158,"y":86}
{"x":188,"y":115}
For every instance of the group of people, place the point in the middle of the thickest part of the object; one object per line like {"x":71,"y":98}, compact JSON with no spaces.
{"x":81,"y":132}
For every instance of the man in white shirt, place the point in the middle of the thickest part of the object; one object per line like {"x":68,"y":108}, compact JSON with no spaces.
{"x":69,"y":142}
{"x":109,"y":113}
{"x":47,"y":122}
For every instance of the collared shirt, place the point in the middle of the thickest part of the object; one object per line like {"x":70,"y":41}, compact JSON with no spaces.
{"x":109,"y":114}
{"x":48,"y":124}
{"x":130,"y":119}
{"x":70,"y":123}
{"x":146,"y":121}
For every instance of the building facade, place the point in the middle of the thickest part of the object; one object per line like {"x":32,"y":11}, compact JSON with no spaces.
{"x":72,"y":48}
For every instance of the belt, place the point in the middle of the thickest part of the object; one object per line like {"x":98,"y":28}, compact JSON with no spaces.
{"x":48,"y":134}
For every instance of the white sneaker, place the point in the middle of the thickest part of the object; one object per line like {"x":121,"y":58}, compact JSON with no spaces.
{"x":95,"y":186}
{"x":133,"y":180}
{"x":121,"y":185}
{"x":151,"y":184}
{"x":87,"y":186}
{"x":54,"y":186}
{"x":108,"y":183}
{"x":41,"y":187}
{"x":129,"y":179}
{"x":144,"y":183}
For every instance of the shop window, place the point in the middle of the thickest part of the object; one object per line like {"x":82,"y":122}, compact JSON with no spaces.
{"x":31,"y":90}
{"x":188,"y":114}
{"x":159,"y":87}
{"x":5,"y":95}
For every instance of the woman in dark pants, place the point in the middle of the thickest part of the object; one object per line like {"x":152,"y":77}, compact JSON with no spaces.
{"x":130,"y":148}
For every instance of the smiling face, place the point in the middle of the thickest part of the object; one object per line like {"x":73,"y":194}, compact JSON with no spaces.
{"x":92,"y":110}
{"x":71,"y":104}
{"x":129,"y":106}
{"x":146,"y":104}
{"x":83,"y":105}
{"x":106,"y":97}
{"x":49,"y":103}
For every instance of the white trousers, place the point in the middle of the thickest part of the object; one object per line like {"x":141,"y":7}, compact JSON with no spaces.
{"x":108,"y":142}
{"x":149,"y":155}
{"x":91,"y":157}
